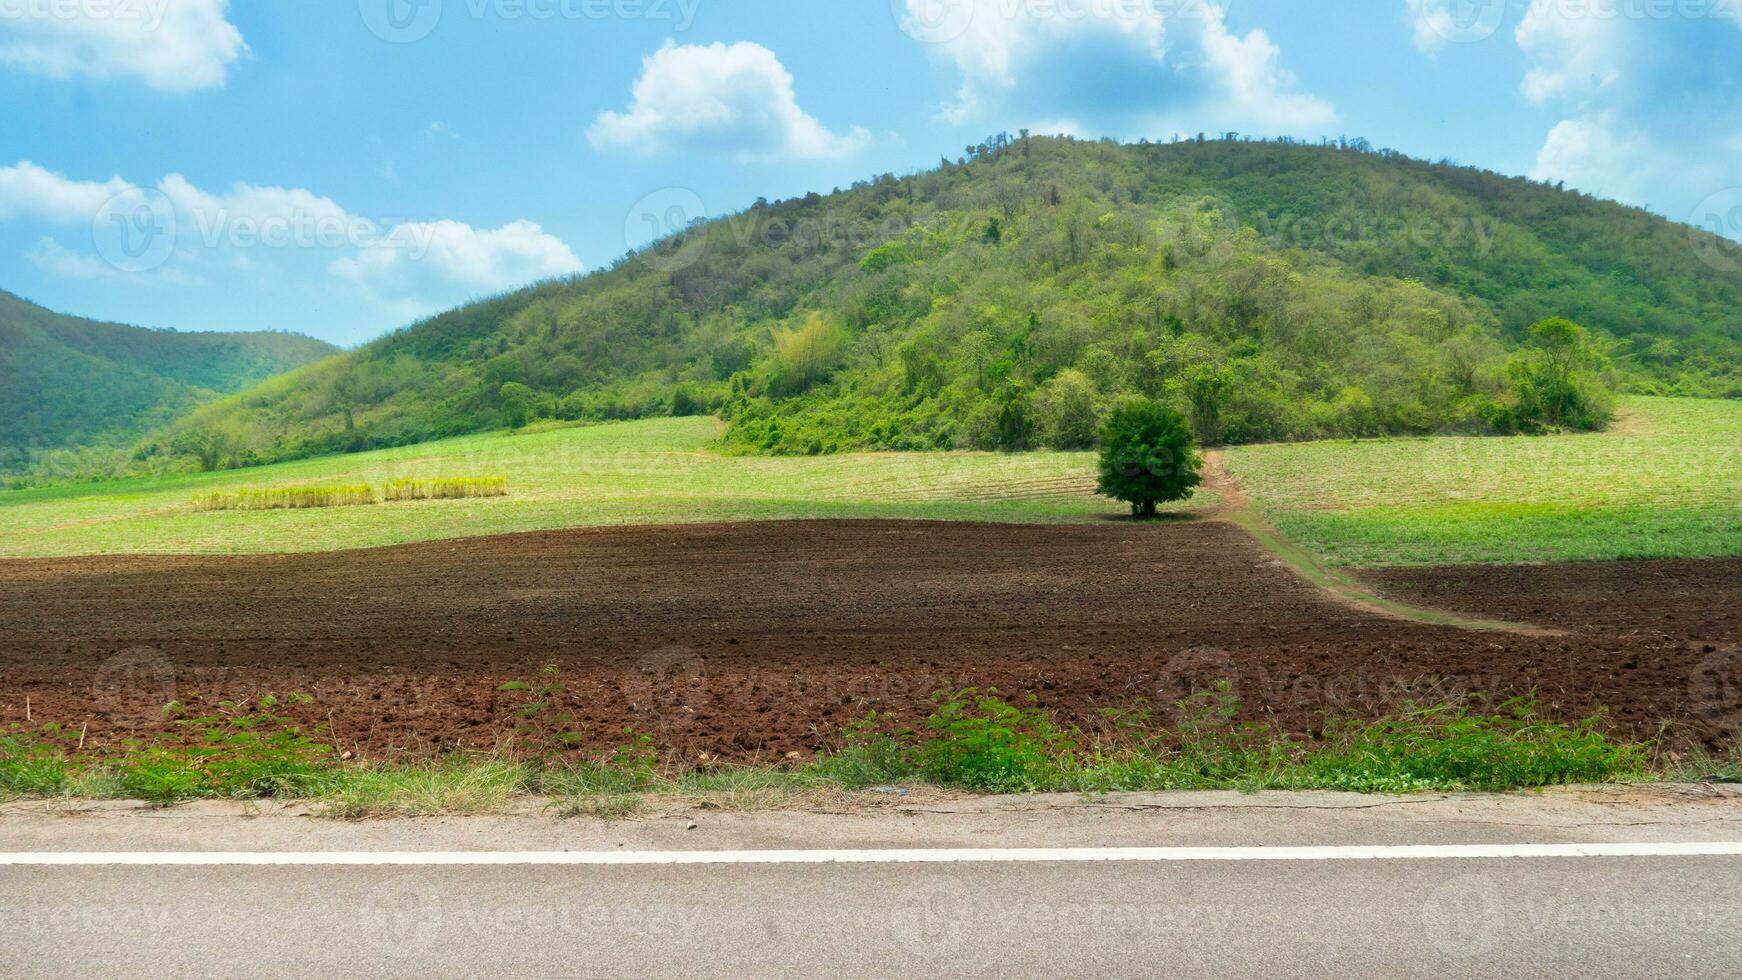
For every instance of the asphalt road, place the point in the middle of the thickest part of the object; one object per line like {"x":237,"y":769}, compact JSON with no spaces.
{"x":1449,"y":916}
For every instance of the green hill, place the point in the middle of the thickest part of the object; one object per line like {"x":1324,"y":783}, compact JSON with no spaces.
{"x":78,"y":392}
{"x":1276,"y":290}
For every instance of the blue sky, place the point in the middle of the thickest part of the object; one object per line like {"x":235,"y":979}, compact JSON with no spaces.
{"x":341,"y":168}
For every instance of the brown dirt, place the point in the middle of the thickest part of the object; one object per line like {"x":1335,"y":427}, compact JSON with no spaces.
{"x":752,"y":641}
{"x":1692,"y":598}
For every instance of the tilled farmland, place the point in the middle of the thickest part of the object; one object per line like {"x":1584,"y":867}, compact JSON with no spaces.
{"x":749,"y":642}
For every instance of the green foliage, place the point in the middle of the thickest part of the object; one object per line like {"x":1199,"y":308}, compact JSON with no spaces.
{"x":867,"y":757}
{"x":1206,"y":388}
{"x":804,"y":355}
{"x":1274,"y":291}
{"x":517,"y":401}
{"x":1066,"y":411}
{"x":542,"y":722}
{"x":240,"y":754}
{"x":33,"y":764}
{"x":1148,"y":457}
{"x":211,"y":448}
{"x":977,"y":741}
{"x":631,"y":767}
{"x":1448,"y":747}
{"x":686,"y":402}
{"x":1013,"y":420}
{"x":1557,"y":387}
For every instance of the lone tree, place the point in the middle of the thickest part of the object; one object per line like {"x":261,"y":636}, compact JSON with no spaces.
{"x":1148,"y":456}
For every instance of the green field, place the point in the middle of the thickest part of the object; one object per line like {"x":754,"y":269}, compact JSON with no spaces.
{"x":658,"y":471}
{"x":1665,"y":481}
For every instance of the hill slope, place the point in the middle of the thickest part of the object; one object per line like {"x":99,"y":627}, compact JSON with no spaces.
{"x":73,"y":387}
{"x":1277,"y":290}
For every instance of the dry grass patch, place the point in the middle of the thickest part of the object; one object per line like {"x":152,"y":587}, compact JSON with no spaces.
{"x":289,"y":498}
{"x":455,"y":488}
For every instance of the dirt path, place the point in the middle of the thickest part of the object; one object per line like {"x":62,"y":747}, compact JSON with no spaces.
{"x":1237,"y":509}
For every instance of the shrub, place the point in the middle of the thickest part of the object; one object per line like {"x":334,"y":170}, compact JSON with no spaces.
{"x":1207,"y":389}
{"x":1449,"y":747}
{"x":978,"y":741}
{"x":517,"y":403}
{"x":241,"y":756}
{"x":1555,"y":382}
{"x":1014,"y":418}
{"x":1148,"y":456}
{"x":31,"y":766}
{"x":686,"y":402}
{"x":805,"y":355}
{"x":867,"y":757}
{"x":1067,"y":413}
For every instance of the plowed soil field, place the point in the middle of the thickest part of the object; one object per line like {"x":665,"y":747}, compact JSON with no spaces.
{"x":752,"y":641}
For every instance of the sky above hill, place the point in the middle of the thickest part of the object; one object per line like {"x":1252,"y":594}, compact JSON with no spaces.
{"x":343,"y":168}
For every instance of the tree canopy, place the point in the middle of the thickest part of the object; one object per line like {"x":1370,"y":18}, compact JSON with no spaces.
{"x":1148,"y":456}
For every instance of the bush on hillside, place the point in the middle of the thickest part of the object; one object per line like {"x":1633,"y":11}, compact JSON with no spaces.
{"x":1556,"y":382}
{"x":1066,"y":410}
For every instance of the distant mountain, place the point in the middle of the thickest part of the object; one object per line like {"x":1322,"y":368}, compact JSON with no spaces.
{"x":1276,"y":290}
{"x":75,"y":389}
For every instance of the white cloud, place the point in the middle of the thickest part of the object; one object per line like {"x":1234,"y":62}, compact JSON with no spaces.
{"x":483,"y":260}
{"x":732,"y":98}
{"x":1574,"y":51}
{"x":1254,"y":85}
{"x":57,"y":260}
{"x":27,"y":190}
{"x":1135,"y":65}
{"x":1438,"y":23}
{"x":171,"y":45}
{"x":290,"y":214}
{"x":1594,"y":154}
{"x":1432,"y":19}
{"x":1606,"y":155}
{"x":995,"y":47}
{"x":1643,"y":96}
{"x":423,"y":263}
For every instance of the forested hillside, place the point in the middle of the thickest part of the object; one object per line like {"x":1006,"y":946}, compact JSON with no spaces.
{"x":1005,"y":300}
{"x":77,"y":391}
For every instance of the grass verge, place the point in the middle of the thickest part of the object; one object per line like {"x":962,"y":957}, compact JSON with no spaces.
{"x":973,"y":741}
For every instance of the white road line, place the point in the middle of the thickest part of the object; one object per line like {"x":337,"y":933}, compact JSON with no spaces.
{"x":1039,"y":855}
